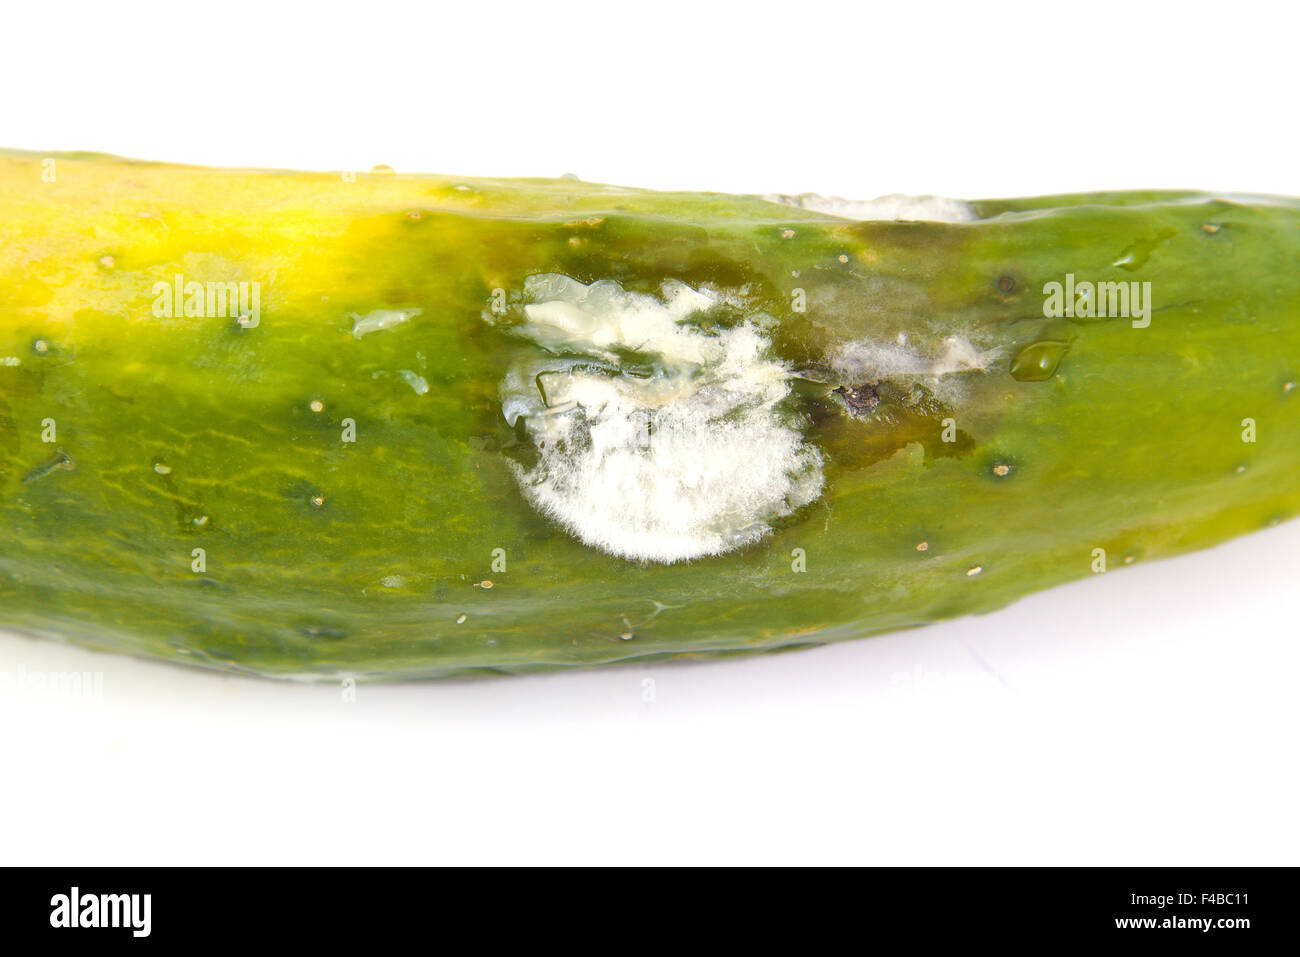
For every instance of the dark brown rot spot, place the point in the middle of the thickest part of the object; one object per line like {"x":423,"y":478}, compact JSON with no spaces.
{"x":860,"y":400}
{"x":1007,"y":285}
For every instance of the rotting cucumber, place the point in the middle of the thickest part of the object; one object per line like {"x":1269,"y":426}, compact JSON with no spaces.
{"x":399,"y":426}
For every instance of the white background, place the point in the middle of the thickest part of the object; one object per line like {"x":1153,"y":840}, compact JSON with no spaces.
{"x":1145,"y":716}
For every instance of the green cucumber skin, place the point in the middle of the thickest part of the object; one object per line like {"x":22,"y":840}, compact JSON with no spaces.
{"x":1133,"y":446}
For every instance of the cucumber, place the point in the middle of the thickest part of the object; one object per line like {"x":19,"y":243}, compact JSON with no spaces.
{"x":397,"y":426}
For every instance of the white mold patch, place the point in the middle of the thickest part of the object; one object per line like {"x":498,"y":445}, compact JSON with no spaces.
{"x":859,"y":359}
{"x":658,"y":437}
{"x":935,"y":209}
{"x":940,"y":365}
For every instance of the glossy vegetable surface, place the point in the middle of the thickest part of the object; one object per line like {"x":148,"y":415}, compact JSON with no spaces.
{"x":869,"y":425}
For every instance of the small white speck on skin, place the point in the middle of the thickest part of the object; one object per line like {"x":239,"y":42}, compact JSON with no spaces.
{"x":108,"y":262}
{"x":162,"y":469}
{"x":787,"y":234}
{"x":317,"y":405}
{"x":922,"y":546}
{"x":379,"y":319}
{"x":462,"y":619}
{"x":201,"y":521}
{"x":975,"y":570}
{"x":41,"y":346}
{"x":1288,"y":387}
{"x":485,"y":583}
{"x":843,"y":258}
{"x":416,"y":382}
